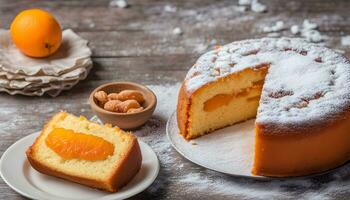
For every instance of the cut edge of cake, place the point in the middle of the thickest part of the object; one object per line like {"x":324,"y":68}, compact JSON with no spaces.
{"x":245,"y":91}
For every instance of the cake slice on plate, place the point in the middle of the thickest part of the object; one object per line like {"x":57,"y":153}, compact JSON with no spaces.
{"x":78,"y":150}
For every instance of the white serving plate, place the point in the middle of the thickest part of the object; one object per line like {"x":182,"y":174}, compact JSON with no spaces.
{"x":16,"y":171}
{"x":229,"y":150}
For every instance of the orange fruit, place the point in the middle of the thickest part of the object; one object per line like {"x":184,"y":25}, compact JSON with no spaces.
{"x":72,"y":145}
{"x":36,"y":33}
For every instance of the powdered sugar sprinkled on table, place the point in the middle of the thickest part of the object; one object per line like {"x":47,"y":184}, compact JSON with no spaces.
{"x":345,"y":40}
{"x":170,"y":8}
{"x":255,"y":6}
{"x":177,"y":31}
{"x":118,"y":3}
{"x":279,"y":26}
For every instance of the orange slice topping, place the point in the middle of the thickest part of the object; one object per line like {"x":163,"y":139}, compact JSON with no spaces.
{"x":72,"y":145}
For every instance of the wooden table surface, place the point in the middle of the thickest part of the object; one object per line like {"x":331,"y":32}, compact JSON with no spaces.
{"x":138,"y":44}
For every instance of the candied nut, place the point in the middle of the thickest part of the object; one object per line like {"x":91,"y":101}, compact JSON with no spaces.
{"x":135,"y":110}
{"x":112,"y":105}
{"x":131,"y":94}
{"x":128,"y":104}
{"x":113,"y":96}
{"x":101,"y":97}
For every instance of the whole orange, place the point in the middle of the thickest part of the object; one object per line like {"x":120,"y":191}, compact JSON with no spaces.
{"x":36,"y":33}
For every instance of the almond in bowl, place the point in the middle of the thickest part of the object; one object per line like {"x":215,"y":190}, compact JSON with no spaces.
{"x":124,"y":104}
{"x":126,"y":101}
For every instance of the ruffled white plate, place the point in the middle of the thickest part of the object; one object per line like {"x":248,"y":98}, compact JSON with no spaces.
{"x":51,"y":88}
{"x":73,"y":50}
{"x":20,"y":74}
{"x":16,"y":171}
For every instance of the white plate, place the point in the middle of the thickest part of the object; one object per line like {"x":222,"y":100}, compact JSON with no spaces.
{"x":231,"y":153}
{"x":229,"y":150}
{"x":16,"y":171}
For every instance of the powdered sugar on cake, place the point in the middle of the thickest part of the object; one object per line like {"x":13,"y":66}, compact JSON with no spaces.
{"x":306,"y":83}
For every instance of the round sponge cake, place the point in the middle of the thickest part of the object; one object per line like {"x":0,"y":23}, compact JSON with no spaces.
{"x":299,"y":93}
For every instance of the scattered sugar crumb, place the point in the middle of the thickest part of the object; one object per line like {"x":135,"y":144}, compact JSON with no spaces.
{"x":274,"y":35}
{"x":279,"y":26}
{"x":213,"y":42}
{"x":267,"y":29}
{"x":294,"y":29}
{"x":308,"y":31}
{"x":345,"y":40}
{"x":92,"y":25}
{"x":177,"y":31}
{"x":256,"y":6}
{"x":244,"y":2}
{"x":242,"y":8}
{"x":118,"y":3}
{"x":307,"y":25}
{"x":339,"y":51}
{"x":170,"y":8}
{"x":313,"y":36}
{"x":200,"y":48}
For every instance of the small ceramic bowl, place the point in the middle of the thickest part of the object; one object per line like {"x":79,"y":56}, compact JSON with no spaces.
{"x":124,"y":120}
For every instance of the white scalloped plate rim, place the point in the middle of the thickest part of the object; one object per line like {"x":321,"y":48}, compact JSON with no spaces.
{"x":67,"y":35}
{"x":56,"y":88}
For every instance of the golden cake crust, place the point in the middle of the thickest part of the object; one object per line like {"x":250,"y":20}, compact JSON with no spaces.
{"x":183,"y":105}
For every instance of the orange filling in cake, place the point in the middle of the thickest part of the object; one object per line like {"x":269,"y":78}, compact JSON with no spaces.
{"x":75,"y":149}
{"x":231,"y":93}
{"x":72,"y":145}
{"x":224,"y":99}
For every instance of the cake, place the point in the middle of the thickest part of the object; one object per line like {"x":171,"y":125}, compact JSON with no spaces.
{"x":299,"y":93}
{"x":78,"y":150}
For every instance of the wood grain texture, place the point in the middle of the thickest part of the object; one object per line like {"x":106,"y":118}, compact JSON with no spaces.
{"x":137,"y":44}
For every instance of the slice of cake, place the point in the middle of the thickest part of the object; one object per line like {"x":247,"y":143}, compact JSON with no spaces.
{"x":78,"y":150}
